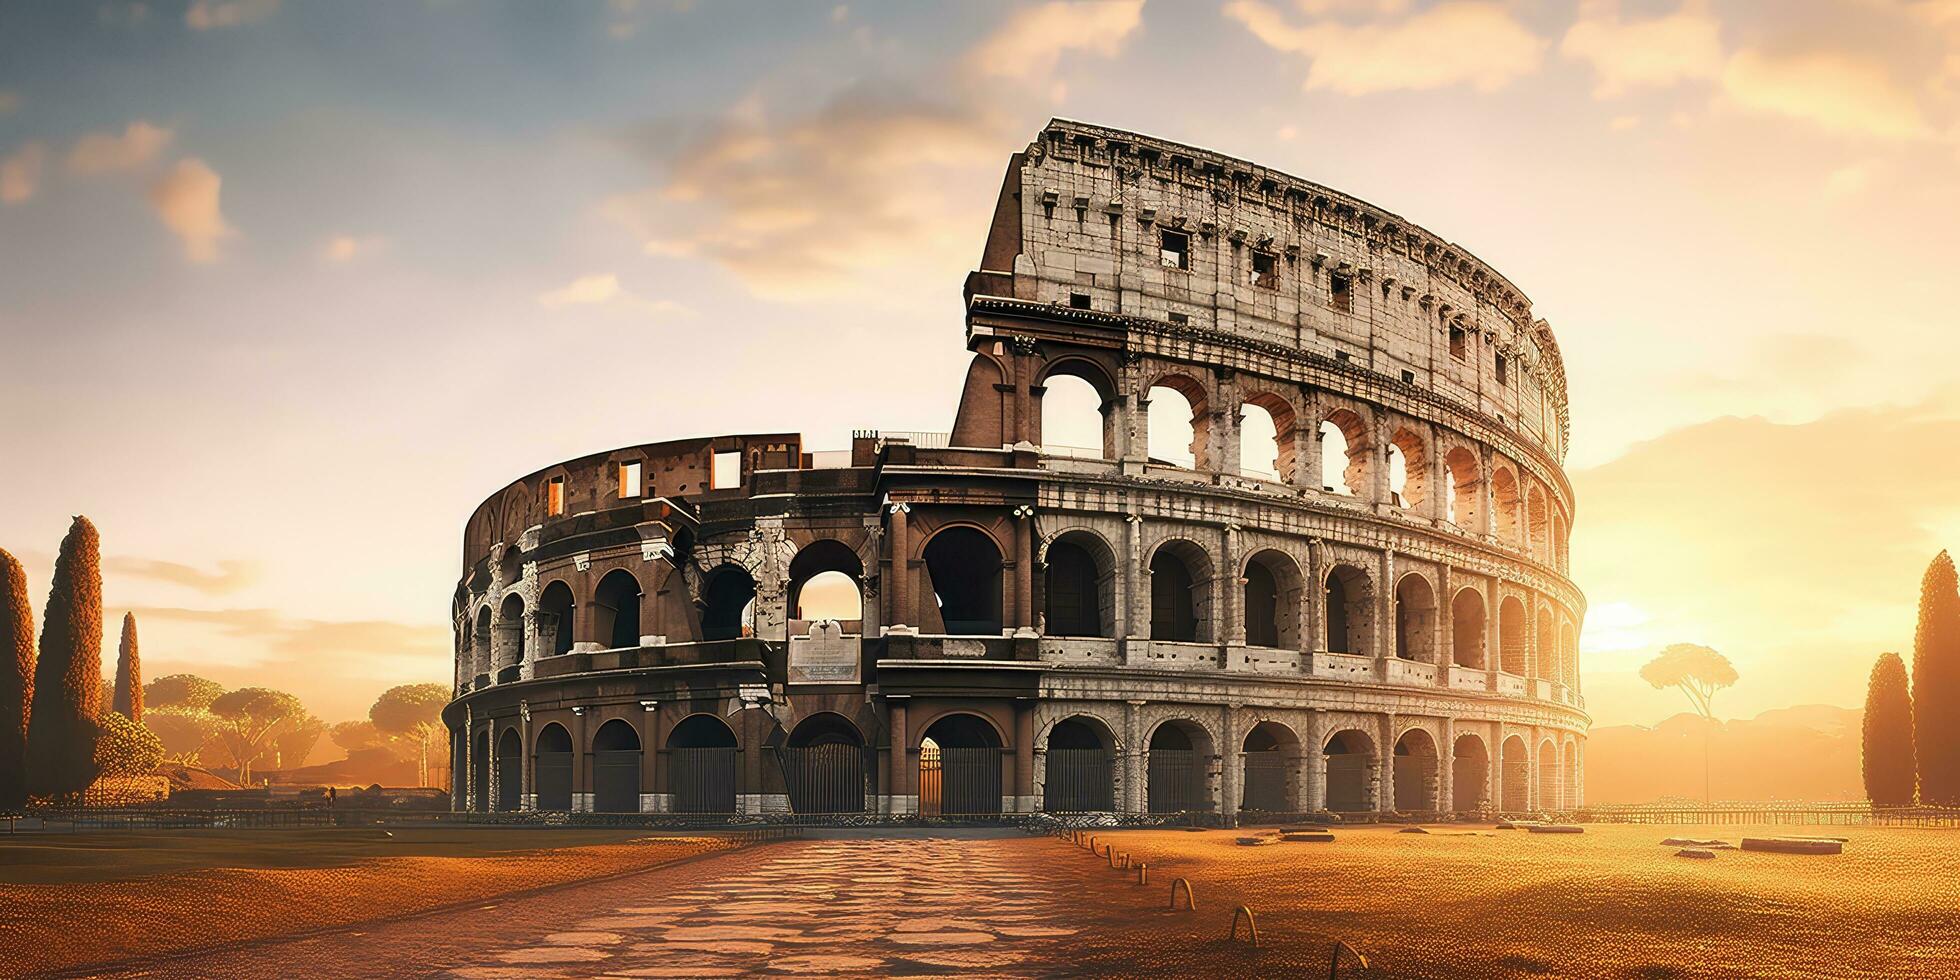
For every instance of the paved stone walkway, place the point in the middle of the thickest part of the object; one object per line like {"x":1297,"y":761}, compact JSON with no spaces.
{"x":883,"y":907}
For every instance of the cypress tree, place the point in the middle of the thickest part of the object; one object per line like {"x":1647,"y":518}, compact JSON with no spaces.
{"x":129,"y":674}
{"x":1936,"y":685}
{"x":1889,"y":762}
{"x":68,"y":678}
{"x":16,"y":681}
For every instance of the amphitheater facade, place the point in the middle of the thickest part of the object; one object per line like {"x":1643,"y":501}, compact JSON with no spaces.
{"x":1371,"y":614}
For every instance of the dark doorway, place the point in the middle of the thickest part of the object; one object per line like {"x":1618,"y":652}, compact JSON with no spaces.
{"x":616,"y":768}
{"x":701,"y":765}
{"x":1270,"y":753}
{"x":964,"y":566}
{"x":1261,"y":606}
{"x":1078,"y":771}
{"x":728,"y":604}
{"x":480,"y":774}
{"x":618,"y":602}
{"x":1177,"y":771}
{"x":1072,"y":593}
{"x":553,"y":768}
{"x":959,"y":768}
{"x":1173,"y":604}
{"x":823,"y":765}
{"x":556,"y":617}
{"x":510,"y":775}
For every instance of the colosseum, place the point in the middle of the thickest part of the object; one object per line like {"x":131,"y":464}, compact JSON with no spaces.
{"x":1364,"y":610}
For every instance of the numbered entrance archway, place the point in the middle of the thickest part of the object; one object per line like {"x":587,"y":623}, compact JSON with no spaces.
{"x":959,"y":768}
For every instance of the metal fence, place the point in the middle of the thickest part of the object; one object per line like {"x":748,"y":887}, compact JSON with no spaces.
{"x":703,"y":780}
{"x":1176,"y":781}
{"x":1821,"y":814}
{"x":824,"y":778}
{"x":1077,"y":781}
{"x":959,"y":782}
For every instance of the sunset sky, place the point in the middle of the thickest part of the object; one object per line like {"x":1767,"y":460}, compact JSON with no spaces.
{"x":290,"y":287}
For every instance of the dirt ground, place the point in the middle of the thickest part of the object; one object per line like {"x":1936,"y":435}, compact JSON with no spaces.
{"x":71,"y":900}
{"x":1611,"y":902}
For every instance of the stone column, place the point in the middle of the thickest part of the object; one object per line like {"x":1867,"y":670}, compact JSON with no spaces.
{"x":458,"y":762}
{"x":1135,"y":792}
{"x":1315,"y":763}
{"x":1486,"y":489}
{"x":581,"y":764}
{"x":1385,"y":624}
{"x":1494,"y":771}
{"x":1233,"y":599}
{"x":896,"y":786}
{"x":1136,"y":586}
{"x":1316,"y":590}
{"x":1384,"y":768}
{"x":527,"y":798}
{"x":1377,"y":450}
{"x":1445,"y":625}
{"x":1023,"y":756}
{"x":1438,"y":505}
{"x":1230,"y":758}
{"x":1446,"y":765}
{"x":1494,"y":633}
{"x":1024,"y":572}
{"x":901,"y":568}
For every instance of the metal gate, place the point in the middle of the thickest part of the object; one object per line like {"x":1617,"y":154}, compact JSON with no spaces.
{"x":1077,"y":780}
{"x":1347,"y":783}
{"x":554,"y":776}
{"x":1265,"y":782}
{"x":616,"y":781}
{"x":1176,"y":782}
{"x":510,"y":781}
{"x":825,"y":778}
{"x":480,"y":770}
{"x":959,"y":782}
{"x":703,"y":780}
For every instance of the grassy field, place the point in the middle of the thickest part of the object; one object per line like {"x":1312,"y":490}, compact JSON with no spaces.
{"x":67,"y":901}
{"x":1611,"y":902}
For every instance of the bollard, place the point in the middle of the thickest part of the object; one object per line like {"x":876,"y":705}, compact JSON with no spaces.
{"x":1251,"y":926}
{"x":1126,"y":860}
{"x":1334,"y":964}
{"x":1143,"y":873}
{"x":1110,"y":853}
{"x":1190,"y":900}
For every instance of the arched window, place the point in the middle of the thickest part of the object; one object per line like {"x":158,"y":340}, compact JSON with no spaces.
{"x":1178,"y":423}
{"x":1344,"y":454}
{"x":1408,"y":470}
{"x":1511,"y":633}
{"x":1266,"y":436}
{"x":825,"y":583}
{"x":1415,"y":619}
{"x":616,"y":603}
{"x":728,"y":604}
{"x":1514,"y":777}
{"x":556,"y":617}
{"x":1465,"y":490}
{"x":1078,"y":586}
{"x":1349,"y":611}
{"x":1180,"y":592}
{"x":1467,"y":628}
{"x":964,"y":567}
{"x":1505,"y":504}
{"x":1548,"y":661}
{"x":1568,"y":650}
{"x":1271,"y":603}
{"x":1469,"y":774}
{"x":509,"y":636}
{"x":481,"y":642}
{"x":1540,"y":514}
{"x":1073,"y":417}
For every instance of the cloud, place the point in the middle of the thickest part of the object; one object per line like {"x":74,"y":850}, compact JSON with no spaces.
{"x":604,"y":290}
{"x":341,"y":249}
{"x":371,"y":647}
{"x":798,"y":207}
{"x":205,"y":15}
{"x":1473,"y":43}
{"x":20,"y":173}
{"x":230,"y":577}
{"x":186,"y":199}
{"x":1835,"y":90}
{"x":1681,"y":46}
{"x":100,"y":153}
{"x":1031,"y":41}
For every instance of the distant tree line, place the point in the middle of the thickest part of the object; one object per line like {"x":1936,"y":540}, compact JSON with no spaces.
{"x":1912,"y":731}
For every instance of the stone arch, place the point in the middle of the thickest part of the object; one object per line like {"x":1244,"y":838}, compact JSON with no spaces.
{"x":1512,"y":637}
{"x":701,"y":764}
{"x":616,"y":767}
{"x":1466,"y":490}
{"x":1506,"y":501}
{"x":1343,"y":433}
{"x":1057,"y":432}
{"x":557,"y":618}
{"x":1568,"y":655}
{"x":1569,"y":767}
{"x":1078,"y":584}
{"x":510,"y":771}
{"x":959,"y":765}
{"x":1193,"y":394}
{"x":482,"y":640}
{"x":1270,"y":590}
{"x":1514,"y":789}
{"x":834,"y":574}
{"x":1548,"y":781}
{"x":727,"y":603}
{"x":1078,"y":775}
{"x":1352,"y":770}
{"x":1415,"y":618}
{"x":1180,"y":592}
{"x":1538,"y":513}
{"x":963,"y":574}
{"x":1418,"y":776}
{"x":1548,"y":666}
{"x":616,"y":610}
{"x":1467,"y":629}
{"x":551,"y":767}
{"x":1285,"y":423}
{"x":1178,"y":768}
{"x":1349,"y":610}
{"x":1269,"y":766}
{"x":508,"y":640}
{"x":823,"y":761}
{"x":1469,"y":774}
{"x":1411,"y":489}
